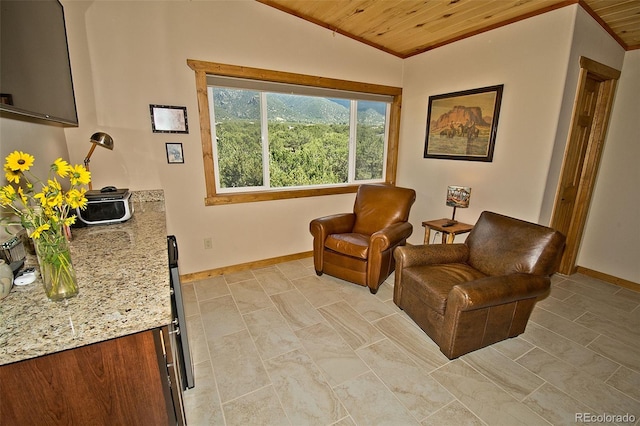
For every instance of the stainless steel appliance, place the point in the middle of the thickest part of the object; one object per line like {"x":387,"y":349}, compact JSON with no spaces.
{"x":107,"y":205}
{"x":178,"y":328}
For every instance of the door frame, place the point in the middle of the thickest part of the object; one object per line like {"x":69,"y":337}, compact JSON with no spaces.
{"x":608,"y":78}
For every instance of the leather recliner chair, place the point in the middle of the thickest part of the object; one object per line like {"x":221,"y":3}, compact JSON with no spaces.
{"x":468,"y":296}
{"x":358,"y":247}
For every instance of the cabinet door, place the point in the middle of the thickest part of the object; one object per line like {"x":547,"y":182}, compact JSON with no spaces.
{"x":118,"y":381}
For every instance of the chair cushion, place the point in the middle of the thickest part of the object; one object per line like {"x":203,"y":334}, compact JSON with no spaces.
{"x":434,"y":282}
{"x":355,"y":245}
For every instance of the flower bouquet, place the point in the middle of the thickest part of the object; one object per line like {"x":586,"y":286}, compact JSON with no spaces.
{"x":45,"y":210}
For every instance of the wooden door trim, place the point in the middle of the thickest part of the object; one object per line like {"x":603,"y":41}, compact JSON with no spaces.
{"x":608,"y":78}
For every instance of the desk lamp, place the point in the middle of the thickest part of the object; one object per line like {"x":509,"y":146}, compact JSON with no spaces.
{"x":101,"y":139}
{"x":457,"y":196}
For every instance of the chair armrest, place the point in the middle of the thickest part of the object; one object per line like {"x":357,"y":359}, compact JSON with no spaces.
{"x":334,"y":224}
{"x":431,"y":254}
{"x":492,"y":291}
{"x":390,"y":236}
{"x":322,"y":227}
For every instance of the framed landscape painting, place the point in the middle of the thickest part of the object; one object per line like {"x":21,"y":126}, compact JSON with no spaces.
{"x":462,"y":125}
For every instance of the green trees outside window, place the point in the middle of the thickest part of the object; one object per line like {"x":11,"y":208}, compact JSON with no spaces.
{"x":275,"y":140}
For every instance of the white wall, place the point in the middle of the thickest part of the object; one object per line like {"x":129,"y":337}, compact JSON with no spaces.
{"x":611,"y":242}
{"x":591,"y":41}
{"x":530,"y":58}
{"x":127,"y":55}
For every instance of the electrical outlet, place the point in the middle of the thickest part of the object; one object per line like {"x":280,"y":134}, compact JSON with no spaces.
{"x":208,"y":244}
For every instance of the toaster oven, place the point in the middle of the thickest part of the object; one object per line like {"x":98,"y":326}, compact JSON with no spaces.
{"x":105,"y":207}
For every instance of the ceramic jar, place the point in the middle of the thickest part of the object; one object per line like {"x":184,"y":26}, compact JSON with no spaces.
{"x":6,"y":279}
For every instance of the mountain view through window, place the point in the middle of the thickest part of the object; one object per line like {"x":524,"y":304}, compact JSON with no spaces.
{"x":275,"y":140}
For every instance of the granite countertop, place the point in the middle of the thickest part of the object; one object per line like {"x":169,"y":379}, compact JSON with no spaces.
{"x":123,"y":279}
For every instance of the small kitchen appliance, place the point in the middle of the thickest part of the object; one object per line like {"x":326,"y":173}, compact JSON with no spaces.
{"x":105,"y":206}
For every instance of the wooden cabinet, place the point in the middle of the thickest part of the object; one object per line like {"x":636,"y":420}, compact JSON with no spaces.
{"x":118,"y":381}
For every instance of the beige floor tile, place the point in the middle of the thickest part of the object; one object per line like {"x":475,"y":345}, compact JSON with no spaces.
{"x":605,"y":293}
{"x":626,"y":381}
{"x":571,"y":352}
{"x":318,"y":291}
{"x":555,"y":406}
{"x":353,"y":328}
{"x":272,"y":280}
{"x":454,"y":414}
{"x":331,"y":353}
{"x":513,"y":348}
{"x":201,"y":403}
{"x":271,"y":333}
{"x":239,"y":276}
{"x":563,"y":326}
{"x":626,"y":333}
{"x":413,"y":386}
{"x":298,"y":312}
{"x":197,"y":339}
{"x":406,"y":335}
{"x":210,"y":288}
{"x":485,"y":399}
{"x":370,"y":402}
{"x":616,"y":351}
{"x":220,"y":316}
{"x":578,"y":384}
{"x":237,"y":366}
{"x":190,"y":300}
{"x":370,"y":307}
{"x":306,"y":397}
{"x":563,"y":308}
{"x":295,"y":269}
{"x":283,"y":362}
{"x":511,"y":376}
{"x":260,"y":407}
{"x":249,"y":296}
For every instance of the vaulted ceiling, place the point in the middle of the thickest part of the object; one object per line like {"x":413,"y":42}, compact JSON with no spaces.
{"x":408,"y":27}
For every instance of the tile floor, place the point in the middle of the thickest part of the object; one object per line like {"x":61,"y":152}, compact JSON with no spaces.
{"x":281,"y":346}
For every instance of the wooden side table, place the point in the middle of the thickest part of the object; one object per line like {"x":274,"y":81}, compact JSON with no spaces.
{"x":448,"y":232}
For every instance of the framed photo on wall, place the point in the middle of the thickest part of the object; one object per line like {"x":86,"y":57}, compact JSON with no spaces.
{"x":174,"y":153}
{"x":169,"y":119}
{"x":462,"y":125}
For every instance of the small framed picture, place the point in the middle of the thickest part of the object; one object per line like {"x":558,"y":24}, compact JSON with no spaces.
{"x":174,"y":153}
{"x":169,"y":119}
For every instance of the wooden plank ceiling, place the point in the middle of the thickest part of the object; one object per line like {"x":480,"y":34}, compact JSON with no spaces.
{"x":407,"y":27}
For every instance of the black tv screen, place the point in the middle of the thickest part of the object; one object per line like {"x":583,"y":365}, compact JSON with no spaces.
{"x":35,"y":72}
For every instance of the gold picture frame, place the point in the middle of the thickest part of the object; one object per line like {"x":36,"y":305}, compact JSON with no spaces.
{"x":462,"y":125}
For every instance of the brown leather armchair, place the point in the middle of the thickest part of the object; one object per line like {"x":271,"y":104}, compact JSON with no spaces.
{"x":358,"y":247}
{"x":468,"y":296}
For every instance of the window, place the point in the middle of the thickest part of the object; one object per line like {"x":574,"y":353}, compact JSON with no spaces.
{"x":271,"y":135}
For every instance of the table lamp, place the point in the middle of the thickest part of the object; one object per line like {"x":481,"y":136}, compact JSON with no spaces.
{"x":101,"y":139}
{"x":457,"y":196}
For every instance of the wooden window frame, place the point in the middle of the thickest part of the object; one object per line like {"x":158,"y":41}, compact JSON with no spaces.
{"x":203,"y":68}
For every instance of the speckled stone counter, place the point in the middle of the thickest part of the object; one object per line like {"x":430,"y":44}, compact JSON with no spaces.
{"x":123,"y":279}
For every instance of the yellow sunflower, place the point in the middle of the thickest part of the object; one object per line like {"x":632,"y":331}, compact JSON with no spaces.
{"x":12,"y":175}
{"x":78,"y":175}
{"x":39,"y":230}
{"x":19,"y":160}
{"x":61,"y":167}
{"x":7,"y":195}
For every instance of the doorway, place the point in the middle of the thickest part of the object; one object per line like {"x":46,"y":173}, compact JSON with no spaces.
{"x":589,"y":122}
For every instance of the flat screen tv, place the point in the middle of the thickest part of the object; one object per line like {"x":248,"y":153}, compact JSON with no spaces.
{"x":35,"y":72}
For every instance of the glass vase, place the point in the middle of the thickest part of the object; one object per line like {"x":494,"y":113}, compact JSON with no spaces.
{"x":56,"y":269}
